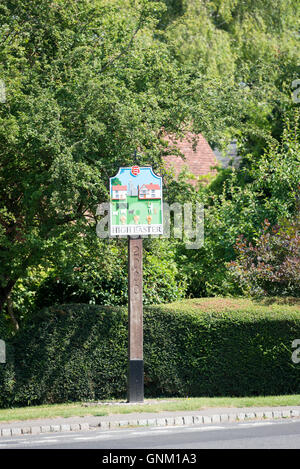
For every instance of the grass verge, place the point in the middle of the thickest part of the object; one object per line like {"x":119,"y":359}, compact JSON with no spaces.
{"x":158,"y":405}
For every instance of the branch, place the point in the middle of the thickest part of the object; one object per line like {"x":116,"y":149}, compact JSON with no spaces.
{"x":125,"y":48}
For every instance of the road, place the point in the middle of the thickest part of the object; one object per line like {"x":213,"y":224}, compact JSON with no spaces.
{"x":281,"y":434}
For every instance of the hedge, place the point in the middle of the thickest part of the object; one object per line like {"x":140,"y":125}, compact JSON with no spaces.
{"x":3,"y":328}
{"x":79,"y":353}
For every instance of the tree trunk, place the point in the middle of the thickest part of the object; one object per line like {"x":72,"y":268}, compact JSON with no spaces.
{"x":10,"y":311}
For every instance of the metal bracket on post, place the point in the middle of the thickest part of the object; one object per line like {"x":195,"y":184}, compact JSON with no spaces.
{"x":135,"y":320}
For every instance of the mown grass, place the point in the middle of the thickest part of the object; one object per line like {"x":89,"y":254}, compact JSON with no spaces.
{"x":158,"y":405}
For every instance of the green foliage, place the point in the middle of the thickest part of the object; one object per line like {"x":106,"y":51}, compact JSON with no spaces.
{"x":269,"y":190}
{"x":163,"y":280}
{"x":99,"y":276}
{"x":276,"y":175}
{"x":71,"y":355}
{"x":87,"y":83}
{"x":79,"y":352}
{"x":231,"y":353}
{"x":244,"y":49}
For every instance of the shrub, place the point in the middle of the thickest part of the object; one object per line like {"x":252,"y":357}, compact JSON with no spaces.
{"x":271,"y":266}
{"x":79,"y":352}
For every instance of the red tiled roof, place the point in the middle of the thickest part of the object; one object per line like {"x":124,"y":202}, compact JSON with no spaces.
{"x":152,"y":186}
{"x":119,"y":188}
{"x":198,"y":161}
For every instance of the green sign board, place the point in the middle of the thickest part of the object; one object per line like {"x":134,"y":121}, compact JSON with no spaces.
{"x":136,"y":206}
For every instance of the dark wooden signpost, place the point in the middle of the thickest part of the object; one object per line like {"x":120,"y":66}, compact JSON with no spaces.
{"x":135,"y":390}
{"x":135,"y":210}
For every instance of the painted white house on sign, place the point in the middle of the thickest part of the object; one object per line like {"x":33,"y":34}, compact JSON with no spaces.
{"x":119,"y":192}
{"x":150,"y":191}
{"x":136,"y":206}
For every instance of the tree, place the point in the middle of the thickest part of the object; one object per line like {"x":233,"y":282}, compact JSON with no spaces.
{"x":115,"y":181}
{"x":246,"y":49}
{"x":87,"y":83}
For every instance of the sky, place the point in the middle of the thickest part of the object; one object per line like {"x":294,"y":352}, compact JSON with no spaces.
{"x":145,"y":177}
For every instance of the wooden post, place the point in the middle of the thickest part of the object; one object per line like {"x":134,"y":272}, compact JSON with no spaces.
{"x":135,"y":320}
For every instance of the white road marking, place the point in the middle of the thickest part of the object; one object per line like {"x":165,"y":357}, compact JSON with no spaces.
{"x":32,"y":442}
{"x":119,"y":433}
{"x":203,"y":429}
{"x":38,"y":442}
{"x":98,"y":437}
{"x":257,"y":424}
{"x":8,"y":441}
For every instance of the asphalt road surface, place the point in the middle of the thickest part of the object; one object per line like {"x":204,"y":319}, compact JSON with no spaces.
{"x":281,"y":434}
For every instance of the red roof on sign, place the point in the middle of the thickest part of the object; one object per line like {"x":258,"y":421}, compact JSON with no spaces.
{"x":152,"y":186}
{"x":119,"y":188}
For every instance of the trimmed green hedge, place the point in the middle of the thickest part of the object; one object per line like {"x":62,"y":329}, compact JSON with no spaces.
{"x":79,"y":352}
